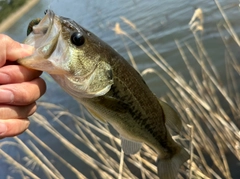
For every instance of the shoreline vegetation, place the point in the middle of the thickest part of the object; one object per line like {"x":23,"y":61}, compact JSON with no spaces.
{"x":209,"y":109}
{"x":12,"y":10}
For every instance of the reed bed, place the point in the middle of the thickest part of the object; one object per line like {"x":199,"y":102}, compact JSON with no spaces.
{"x":210,"y":112}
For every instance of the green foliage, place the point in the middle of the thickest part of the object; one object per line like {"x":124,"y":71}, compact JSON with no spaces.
{"x":7,"y":7}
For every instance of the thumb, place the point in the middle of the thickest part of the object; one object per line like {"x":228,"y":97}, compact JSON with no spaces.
{"x":12,"y":50}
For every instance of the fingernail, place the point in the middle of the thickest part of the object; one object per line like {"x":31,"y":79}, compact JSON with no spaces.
{"x":6,"y":96}
{"x":3,"y":129}
{"x":29,"y":49}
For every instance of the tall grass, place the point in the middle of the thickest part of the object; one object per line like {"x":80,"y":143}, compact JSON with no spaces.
{"x":209,"y":110}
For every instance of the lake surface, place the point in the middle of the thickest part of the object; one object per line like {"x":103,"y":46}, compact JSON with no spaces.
{"x":162,"y":22}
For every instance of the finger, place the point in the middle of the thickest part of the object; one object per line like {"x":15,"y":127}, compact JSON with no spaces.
{"x":18,"y":112}
{"x":22,"y":93}
{"x":12,"y":127}
{"x":17,"y":74}
{"x":12,"y":50}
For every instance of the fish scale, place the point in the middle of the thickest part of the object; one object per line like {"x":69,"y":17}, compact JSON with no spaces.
{"x":149,"y":119}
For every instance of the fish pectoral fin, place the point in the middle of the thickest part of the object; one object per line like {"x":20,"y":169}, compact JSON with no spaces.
{"x":106,"y":104}
{"x":172,"y":118}
{"x":113,"y":104}
{"x":96,"y":115}
{"x":130,"y":147}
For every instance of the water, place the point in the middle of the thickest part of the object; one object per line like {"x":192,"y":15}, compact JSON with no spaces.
{"x":161,"y":21}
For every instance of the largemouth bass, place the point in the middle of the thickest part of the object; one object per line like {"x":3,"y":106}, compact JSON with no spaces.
{"x":108,"y":86}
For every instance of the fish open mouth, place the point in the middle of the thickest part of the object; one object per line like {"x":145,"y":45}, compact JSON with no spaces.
{"x":43,"y":34}
{"x":41,"y":26}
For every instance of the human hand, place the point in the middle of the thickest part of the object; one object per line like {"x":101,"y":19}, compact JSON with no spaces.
{"x":19,"y":88}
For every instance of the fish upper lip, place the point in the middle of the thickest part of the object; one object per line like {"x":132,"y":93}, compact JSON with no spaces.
{"x":44,"y":36}
{"x":51,"y":15}
{"x":45,"y":25}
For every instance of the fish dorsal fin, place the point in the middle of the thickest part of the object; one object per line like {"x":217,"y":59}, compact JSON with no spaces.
{"x":130,"y":147}
{"x":96,"y":115}
{"x":172,"y":118}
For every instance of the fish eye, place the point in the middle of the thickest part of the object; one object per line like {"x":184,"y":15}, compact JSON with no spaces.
{"x":77,"y":38}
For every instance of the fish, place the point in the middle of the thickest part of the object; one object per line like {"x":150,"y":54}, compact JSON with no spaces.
{"x":110,"y":89}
